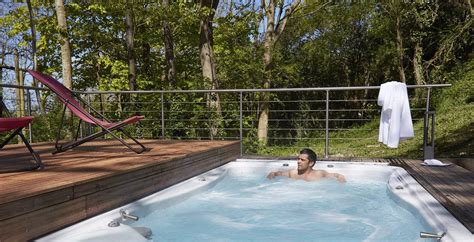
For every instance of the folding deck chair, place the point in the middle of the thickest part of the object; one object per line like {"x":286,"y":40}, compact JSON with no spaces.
{"x":70,"y":101}
{"x":17,"y":124}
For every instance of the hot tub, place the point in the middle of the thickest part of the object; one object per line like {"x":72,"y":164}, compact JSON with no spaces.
{"x":236,"y":202}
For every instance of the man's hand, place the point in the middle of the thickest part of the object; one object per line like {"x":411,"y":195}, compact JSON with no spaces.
{"x":271,"y":175}
{"x":341,"y":178}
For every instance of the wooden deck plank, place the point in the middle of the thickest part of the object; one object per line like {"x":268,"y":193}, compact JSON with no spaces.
{"x":452,"y":186}
{"x":93,"y":178}
{"x":86,"y":164}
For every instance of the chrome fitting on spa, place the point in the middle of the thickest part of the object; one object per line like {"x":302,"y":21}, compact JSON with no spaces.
{"x":125,"y":215}
{"x":114,"y":223}
{"x":427,"y":235}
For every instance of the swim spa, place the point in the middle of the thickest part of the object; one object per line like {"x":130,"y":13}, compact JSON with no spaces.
{"x":236,"y":202}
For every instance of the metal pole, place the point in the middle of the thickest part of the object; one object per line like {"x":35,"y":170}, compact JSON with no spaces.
{"x":326,"y":145}
{"x":241,"y":126}
{"x":162,"y":117}
{"x":1,"y":101}
{"x":89,"y":107}
{"x":80,"y":128}
{"x":428,"y":99}
{"x":428,"y":150}
{"x":28,"y":106}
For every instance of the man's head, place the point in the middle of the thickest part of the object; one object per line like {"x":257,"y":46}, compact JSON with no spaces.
{"x":306,"y":160}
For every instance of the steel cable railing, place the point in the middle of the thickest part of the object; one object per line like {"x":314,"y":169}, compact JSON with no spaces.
{"x":297,"y":116}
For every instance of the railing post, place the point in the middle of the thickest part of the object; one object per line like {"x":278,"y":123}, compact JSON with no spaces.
{"x":80,"y":127}
{"x":38,"y":100}
{"x":428,"y":146}
{"x":162,"y":117}
{"x":428,"y":96}
{"x":241,"y":125}
{"x":1,"y":101}
{"x":89,"y":126}
{"x":28,"y":107}
{"x":428,"y":149}
{"x":326,"y":145}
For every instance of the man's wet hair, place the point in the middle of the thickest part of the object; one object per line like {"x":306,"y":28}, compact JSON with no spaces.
{"x":311,"y":155}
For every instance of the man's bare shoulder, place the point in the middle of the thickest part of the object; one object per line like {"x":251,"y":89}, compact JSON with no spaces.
{"x":320,"y":173}
{"x":293,"y":173}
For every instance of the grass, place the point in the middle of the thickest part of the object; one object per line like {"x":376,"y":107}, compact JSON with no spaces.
{"x":454,"y":133}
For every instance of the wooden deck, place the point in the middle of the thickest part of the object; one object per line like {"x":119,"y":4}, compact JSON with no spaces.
{"x":99,"y":176}
{"x":452,"y":186}
{"x":94,"y":178}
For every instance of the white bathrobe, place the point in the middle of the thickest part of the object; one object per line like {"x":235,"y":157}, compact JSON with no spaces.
{"x":395,"y":120}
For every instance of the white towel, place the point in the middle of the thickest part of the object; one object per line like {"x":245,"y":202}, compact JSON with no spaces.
{"x":395,"y":120}
{"x":433,"y":162}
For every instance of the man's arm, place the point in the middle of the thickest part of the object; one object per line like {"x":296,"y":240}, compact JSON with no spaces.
{"x":273,"y":174}
{"x":339,"y":177}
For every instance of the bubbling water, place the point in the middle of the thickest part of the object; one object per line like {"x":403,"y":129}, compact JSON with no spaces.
{"x":252,"y":208}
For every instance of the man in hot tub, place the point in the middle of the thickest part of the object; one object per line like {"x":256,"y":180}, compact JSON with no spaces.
{"x":306,"y":161}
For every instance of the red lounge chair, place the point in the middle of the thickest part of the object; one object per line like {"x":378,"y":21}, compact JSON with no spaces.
{"x":70,"y":101}
{"x":17,"y":124}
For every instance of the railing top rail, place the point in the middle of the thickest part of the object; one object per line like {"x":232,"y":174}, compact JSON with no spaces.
{"x":24,"y":87}
{"x":264,"y":90}
{"x":236,"y":90}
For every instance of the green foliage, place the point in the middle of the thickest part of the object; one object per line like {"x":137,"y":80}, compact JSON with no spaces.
{"x":454,"y":134}
{"x":462,"y":91}
{"x":239,"y":60}
{"x":324,"y":44}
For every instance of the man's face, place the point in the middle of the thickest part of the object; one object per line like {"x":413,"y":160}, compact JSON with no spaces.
{"x":303,"y":162}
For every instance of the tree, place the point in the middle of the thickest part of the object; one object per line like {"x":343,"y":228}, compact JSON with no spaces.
{"x":33,"y":50}
{"x":276,"y":15}
{"x":64,"y":41}
{"x":130,"y":34}
{"x":20,"y":93}
{"x":395,"y":11}
{"x":170,"y":72}
{"x":208,"y":62}
{"x":450,"y":38}
{"x":422,"y":16}
{"x":2,"y":63}
{"x":33,"y":36}
{"x":65,"y":53}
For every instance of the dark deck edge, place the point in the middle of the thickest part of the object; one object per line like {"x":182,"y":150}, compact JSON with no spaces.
{"x":82,"y":201}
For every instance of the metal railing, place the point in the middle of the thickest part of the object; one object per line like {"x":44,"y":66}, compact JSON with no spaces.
{"x":297,"y":116}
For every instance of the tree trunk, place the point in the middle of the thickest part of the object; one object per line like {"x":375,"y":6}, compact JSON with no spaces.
{"x":1,"y":76}
{"x":33,"y":37}
{"x":65,"y":47}
{"x":130,"y":34}
{"x":272,"y":33}
{"x":65,"y":51}
{"x":33,"y":51}
{"x":418,"y":68}
{"x":169,"y":50}
{"x":400,"y":51}
{"x":417,"y":64}
{"x":20,"y":93}
{"x":146,"y":49}
{"x":208,"y":65}
{"x":132,"y":63}
{"x":262,"y":132}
